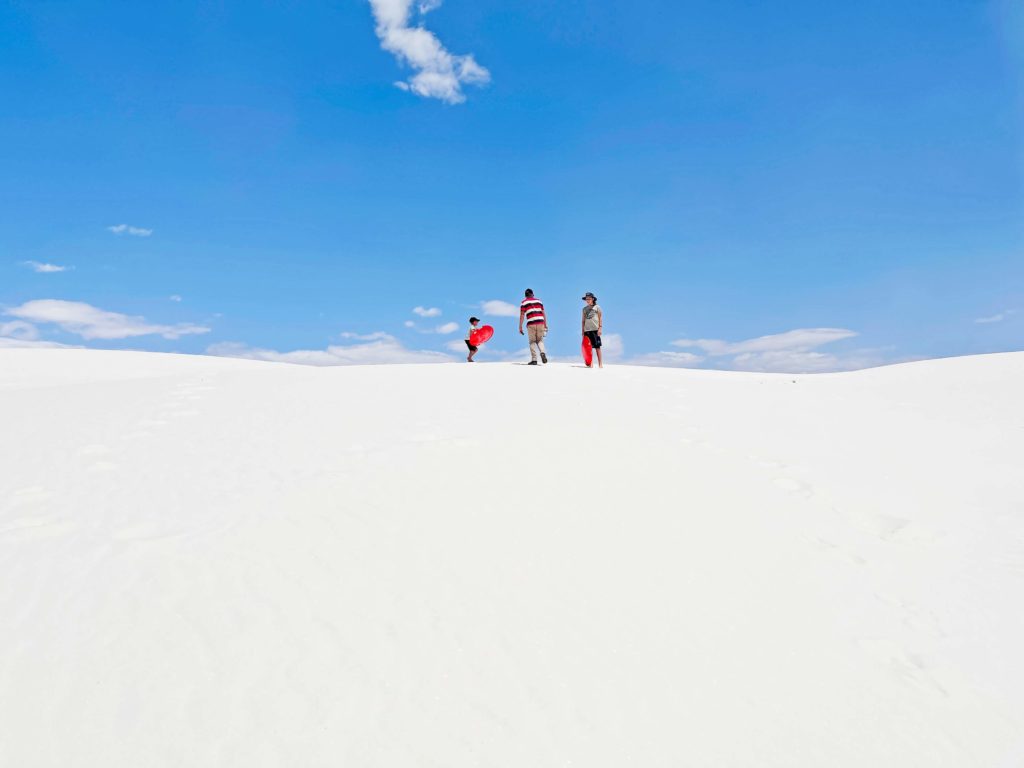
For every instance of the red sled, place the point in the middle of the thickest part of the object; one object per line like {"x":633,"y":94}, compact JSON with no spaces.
{"x":481,"y":335}
{"x":588,"y":351}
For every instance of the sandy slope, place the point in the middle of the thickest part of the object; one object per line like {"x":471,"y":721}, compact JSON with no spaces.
{"x":209,"y":562}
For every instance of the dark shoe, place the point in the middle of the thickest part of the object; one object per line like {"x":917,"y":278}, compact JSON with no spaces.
{"x":544,"y":358}
{"x":532,"y":362}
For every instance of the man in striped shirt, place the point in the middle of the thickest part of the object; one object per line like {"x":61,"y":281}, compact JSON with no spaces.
{"x":532,"y":311}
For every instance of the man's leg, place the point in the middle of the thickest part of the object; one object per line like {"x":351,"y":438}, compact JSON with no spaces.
{"x":531,"y":331}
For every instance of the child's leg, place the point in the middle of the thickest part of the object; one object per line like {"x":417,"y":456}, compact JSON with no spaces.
{"x":600,"y":361}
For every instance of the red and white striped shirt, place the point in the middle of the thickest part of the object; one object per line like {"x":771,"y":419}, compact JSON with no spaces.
{"x":534,"y":311}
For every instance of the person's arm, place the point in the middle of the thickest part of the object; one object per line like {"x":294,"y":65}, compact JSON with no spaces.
{"x":583,"y":322}
{"x":600,"y":320}
{"x":522,"y":314}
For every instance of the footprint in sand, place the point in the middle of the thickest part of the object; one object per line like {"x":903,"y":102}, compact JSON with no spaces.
{"x":174,"y":412}
{"x":913,"y":616}
{"x":906,"y":665}
{"x":98,"y":453}
{"x":692,"y":436}
{"x":912,"y":669}
{"x":28,"y":517}
{"x":28,"y":496}
{"x":94,"y":449}
{"x":834,"y":549}
{"x":894,"y":529}
{"x":793,"y":486}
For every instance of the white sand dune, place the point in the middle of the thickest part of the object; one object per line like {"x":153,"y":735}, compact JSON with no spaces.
{"x":211,"y":562}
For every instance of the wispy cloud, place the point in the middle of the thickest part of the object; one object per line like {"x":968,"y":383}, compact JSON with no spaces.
{"x":443,"y":329}
{"x":17,"y":334}
{"x":430,"y":312}
{"x":19,"y":329}
{"x":90,"y":322}
{"x":790,"y":352}
{"x":498,"y":308}
{"x":175,"y":297}
{"x":383,"y":350}
{"x":799,"y":339}
{"x":375,"y":336}
{"x":12,"y":343}
{"x":127,"y":229}
{"x":439,"y":74}
{"x":667,"y":359}
{"x":996,"y":318}
{"x":37,"y":266}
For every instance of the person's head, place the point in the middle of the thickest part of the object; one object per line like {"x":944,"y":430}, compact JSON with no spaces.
{"x":474,"y":320}
{"x":590,"y":298}
{"x":529,"y":293}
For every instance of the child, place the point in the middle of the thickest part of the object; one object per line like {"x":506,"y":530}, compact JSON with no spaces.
{"x":473,"y":323}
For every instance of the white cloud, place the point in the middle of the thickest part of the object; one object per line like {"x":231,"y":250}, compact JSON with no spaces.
{"x":41,"y":267}
{"x":10,"y":343}
{"x":439,"y":74}
{"x":667,"y":359}
{"x":90,"y":322}
{"x":375,"y":336}
{"x":790,"y":352}
{"x":427,"y":311}
{"x":497,"y":308}
{"x":794,"y":361}
{"x":384,"y":350}
{"x":444,"y":328}
{"x":19,"y":329}
{"x":996,"y":318}
{"x":612,"y":348}
{"x":122,"y":229}
{"x":799,"y":339}
{"x":17,"y":334}
{"x":174,"y":297}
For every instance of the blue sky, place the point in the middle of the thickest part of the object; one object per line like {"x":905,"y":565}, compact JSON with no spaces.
{"x":844,"y":179}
